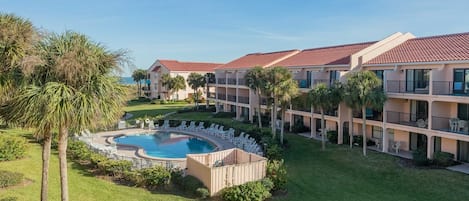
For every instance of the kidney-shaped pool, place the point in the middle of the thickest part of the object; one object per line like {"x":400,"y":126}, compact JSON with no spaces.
{"x":167,"y":144}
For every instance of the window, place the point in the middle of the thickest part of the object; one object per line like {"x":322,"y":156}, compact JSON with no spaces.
{"x":417,"y":79}
{"x":461,"y":81}
{"x":437,"y":144}
{"x":463,"y":111}
{"x":377,"y":132}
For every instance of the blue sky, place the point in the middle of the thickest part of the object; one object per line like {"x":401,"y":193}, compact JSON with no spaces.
{"x":222,"y":30}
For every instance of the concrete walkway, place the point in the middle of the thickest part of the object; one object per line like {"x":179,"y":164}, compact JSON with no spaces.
{"x":463,"y":168}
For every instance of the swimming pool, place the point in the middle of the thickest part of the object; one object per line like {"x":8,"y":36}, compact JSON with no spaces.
{"x":167,"y":144}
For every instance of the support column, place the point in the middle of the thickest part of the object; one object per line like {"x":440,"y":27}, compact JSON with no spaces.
{"x":430,"y":146}
{"x":312,"y":125}
{"x":340,"y":132}
{"x":430,"y":122}
{"x":238,"y":112}
{"x":292,"y":121}
{"x":385,"y":139}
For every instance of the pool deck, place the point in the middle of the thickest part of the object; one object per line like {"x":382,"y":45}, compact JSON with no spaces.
{"x":102,"y":138}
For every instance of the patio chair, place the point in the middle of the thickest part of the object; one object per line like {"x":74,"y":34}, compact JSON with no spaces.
{"x":165,"y":124}
{"x":191,"y":126}
{"x":396,"y":146}
{"x":151,"y":125}
{"x":462,"y":126}
{"x":200,"y":127}
{"x":453,"y":124}
{"x":182,"y":126}
{"x":377,"y":143}
{"x":421,"y":123}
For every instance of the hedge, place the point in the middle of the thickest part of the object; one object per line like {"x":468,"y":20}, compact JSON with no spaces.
{"x":12,"y":147}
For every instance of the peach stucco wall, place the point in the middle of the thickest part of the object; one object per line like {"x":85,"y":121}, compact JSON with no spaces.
{"x":449,"y":145}
{"x":403,"y":137}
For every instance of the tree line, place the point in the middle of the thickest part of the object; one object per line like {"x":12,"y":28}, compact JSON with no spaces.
{"x":361,"y":90}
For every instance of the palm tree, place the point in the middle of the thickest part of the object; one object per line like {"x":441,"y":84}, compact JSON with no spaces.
{"x":255,"y":80}
{"x":178,"y":84}
{"x":276,"y":77}
{"x":287,"y":91}
{"x":17,"y":55}
{"x":77,"y":81}
{"x":364,"y":91}
{"x":195,"y":81}
{"x":325,"y":98}
{"x":168,"y":82}
{"x":139,"y":75}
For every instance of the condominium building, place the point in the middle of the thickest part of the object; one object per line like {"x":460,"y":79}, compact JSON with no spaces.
{"x":155,"y":89}
{"x":424,"y":78}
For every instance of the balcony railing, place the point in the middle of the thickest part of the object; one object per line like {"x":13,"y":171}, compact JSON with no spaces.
{"x":303,"y":108}
{"x":232,"y":98}
{"x":327,"y":112}
{"x":303,"y":84}
{"x":221,"y":96}
{"x":243,"y":99}
{"x":452,"y":125}
{"x":221,"y":80}
{"x":450,"y":88}
{"x":415,"y":120}
{"x":232,"y":81}
{"x":402,"y":86}
{"x":242,"y":81}
{"x":375,"y":116}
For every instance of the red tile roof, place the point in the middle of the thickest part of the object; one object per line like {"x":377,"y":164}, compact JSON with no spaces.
{"x":334,"y":55}
{"x":427,"y":49}
{"x":258,"y":59}
{"x":174,"y":65}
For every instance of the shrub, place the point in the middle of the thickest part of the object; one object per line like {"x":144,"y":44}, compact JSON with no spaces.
{"x":133,"y":177}
{"x":95,"y":159}
{"x":299,"y":127}
{"x":155,"y":177}
{"x":224,"y":115}
{"x":420,"y":157}
{"x":12,"y":147}
{"x":443,"y":159}
{"x":77,"y":150}
{"x":202,"y":193}
{"x":332,"y":136}
{"x":10,"y":178}
{"x":273,"y":152}
{"x":358,"y":139}
{"x":254,"y":190}
{"x":190,"y":184}
{"x":277,"y":173}
{"x":114,"y":167}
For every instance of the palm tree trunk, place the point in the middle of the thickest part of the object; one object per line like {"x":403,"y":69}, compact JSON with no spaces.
{"x":364,"y":130}
{"x":259,"y":109}
{"x":195,"y":100}
{"x":45,"y":165}
{"x":351,"y":128}
{"x":274,"y":120}
{"x":282,"y":126}
{"x":323,"y":130}
{"x":63,"y":137}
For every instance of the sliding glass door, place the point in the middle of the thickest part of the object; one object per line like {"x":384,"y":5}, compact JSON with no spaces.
{"x":417,"y":80}
{"x":460,"y":81}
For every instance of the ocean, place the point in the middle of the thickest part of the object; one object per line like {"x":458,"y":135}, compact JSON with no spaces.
{"x":127,"y":80}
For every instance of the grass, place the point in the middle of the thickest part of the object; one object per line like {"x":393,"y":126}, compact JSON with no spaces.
{"x":82,"y":185}
{"x":341,"y":173}
{"x":140,"y":110}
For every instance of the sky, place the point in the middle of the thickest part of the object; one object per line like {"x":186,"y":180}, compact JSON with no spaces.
{"x":223,"y":30}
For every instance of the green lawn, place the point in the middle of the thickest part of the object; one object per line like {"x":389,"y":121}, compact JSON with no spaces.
{"x":83,"y":186}
{"x":343,"y":174}
{"x":146,"y":109}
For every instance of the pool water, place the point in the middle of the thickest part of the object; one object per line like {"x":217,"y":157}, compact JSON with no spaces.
{"x":167,"y":144}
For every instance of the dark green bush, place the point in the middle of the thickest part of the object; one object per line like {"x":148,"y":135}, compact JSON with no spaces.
{"x":420,"y":157}
{"x":443,"y":159}
{"x":274,"y":152}
{"x":134,"y":178}
{"x":12,"y":147}
{"x":251,"y":191}
{"x":10,"y":178}
{"x":224,"y":115}
{"x":185,"y":110}
{"x":265,"y":120}
{"x":299,"y":127}
{"x":358,"y":140}
{"x":114,"y":167}
{"x":95,"y":159}
{"x":155,"y":177}
{"x":277,"y":173}
{"x":332,"y":136}
{"x":77,"y":150}
{"x":190,"y":184}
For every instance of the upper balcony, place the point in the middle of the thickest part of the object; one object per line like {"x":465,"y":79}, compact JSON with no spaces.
{"x":333,"y":113}
{"x":452,"y":125}
{"x":306,"y":84}
{"x":407,"y":119}
{"x":221,"y":80}
{"x":232,"y":81}
{"x":232,"y":98}
{"x":221,"y":96}
{"x":243,"y":99}
{"x":370,"y":115}
{"x":403,"y":86}
{"x":450,"y":88}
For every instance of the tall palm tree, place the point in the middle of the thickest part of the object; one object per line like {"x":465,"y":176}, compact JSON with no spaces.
{"x":364,"y":91}
{"x":287,"y":91}
{"x":255,"y":80}
{"x":325,"y":98}
{"x":276,"y":77}
{"x":17,"y":55}
{"x":139,"y":75}
{"x":195,"y":81}
{"x":178,"y":84}
{"x":77,"y":80}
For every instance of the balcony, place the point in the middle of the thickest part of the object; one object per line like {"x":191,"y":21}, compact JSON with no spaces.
{"x":221,"y":96}
{"x":407,"y":119}
{"x":450,"y":88}
{"x":327,"y":112}
{"x":232,"y":98}
{"x":402,"y":86}
{"x":303,"y":108}
{"x":370,"y":115}
{"x":243,"y":99}
{"x":221,"y":80}
{"x":232,"y":81}
{"x":452,"y":125}
{"x":242,"y":81}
